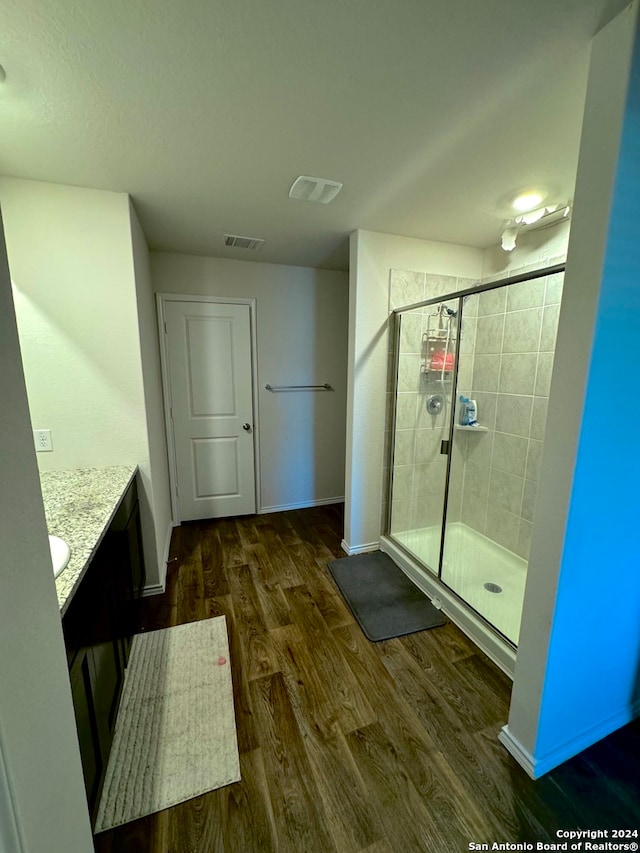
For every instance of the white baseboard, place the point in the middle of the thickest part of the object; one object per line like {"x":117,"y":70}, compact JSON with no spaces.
{"x":359,"y":549}
{"x":300,"y":505}
{"x":537,"y":767}
{"x":517,"y":750}
{"x":159,"y":588}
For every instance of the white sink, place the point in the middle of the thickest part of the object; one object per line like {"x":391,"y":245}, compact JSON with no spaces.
{"x":59,"y":554}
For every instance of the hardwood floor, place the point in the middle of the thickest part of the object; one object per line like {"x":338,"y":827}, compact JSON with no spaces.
{"x":347,"y":745}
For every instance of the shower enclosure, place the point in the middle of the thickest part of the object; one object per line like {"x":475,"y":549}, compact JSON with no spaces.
{"x":463,"y":474}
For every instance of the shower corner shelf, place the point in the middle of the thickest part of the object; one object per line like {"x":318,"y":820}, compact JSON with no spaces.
{"x":472,"y":428}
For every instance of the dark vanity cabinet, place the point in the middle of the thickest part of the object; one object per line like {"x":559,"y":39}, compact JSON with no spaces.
{"x":98,"y":628}
{"x":125,"y":536}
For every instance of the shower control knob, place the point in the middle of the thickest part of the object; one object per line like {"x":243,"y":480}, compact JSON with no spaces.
{"x":435,"y":403}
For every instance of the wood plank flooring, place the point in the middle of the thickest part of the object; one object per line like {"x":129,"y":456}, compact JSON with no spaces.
{"x":347,"y":745}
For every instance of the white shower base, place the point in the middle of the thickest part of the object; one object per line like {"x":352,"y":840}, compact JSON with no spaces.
{"x":470,"y":561}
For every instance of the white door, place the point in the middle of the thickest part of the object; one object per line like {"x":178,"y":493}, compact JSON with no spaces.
{"x":209,"y":361}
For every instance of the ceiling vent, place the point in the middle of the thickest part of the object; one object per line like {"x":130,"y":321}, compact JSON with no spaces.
{"x":320,"y":190}
{"x":238,"y":242}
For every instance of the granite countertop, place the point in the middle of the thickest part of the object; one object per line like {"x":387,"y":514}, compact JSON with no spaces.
{"x":79,"y":505}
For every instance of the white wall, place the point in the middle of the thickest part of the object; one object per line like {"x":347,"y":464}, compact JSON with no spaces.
{"x":577,"y":672}
{"x":154,"y":471}
{"x":71,"y":266}
{"x":71,"y":255}
{"x":302,"y":339}
{"x":38,"y":743}
{"x":372,"y":256}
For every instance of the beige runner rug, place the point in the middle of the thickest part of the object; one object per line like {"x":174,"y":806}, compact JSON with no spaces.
{"x":175,"y":735}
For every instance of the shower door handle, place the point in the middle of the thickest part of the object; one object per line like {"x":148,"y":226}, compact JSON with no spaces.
{"x":445,"y":447}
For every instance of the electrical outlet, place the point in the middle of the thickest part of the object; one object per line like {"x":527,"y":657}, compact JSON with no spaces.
{"x":42,"y":439}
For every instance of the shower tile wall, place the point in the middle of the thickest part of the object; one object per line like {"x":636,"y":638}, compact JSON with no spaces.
{"x":419,"y":468}
{"x":512,"y":363}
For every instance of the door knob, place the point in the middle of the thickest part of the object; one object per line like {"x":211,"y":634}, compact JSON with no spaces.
{"x":246,"y":427}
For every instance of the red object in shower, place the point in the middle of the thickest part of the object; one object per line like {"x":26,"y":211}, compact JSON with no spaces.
{"x":440,"y":361}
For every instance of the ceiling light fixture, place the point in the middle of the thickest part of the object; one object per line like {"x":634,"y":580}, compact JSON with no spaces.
{"x":529,"y":200}
{"x":532,"y":216}
{"x":320,"y":190}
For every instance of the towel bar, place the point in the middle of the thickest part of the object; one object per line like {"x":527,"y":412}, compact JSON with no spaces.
{"x":324,"y":387}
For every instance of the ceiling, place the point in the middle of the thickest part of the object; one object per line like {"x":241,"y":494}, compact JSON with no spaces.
{"x":432,"y":113}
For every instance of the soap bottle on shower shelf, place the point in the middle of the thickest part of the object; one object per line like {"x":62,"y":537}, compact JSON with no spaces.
{"x":468,"y":411}
{"x":472,"y":413}
{"x":462,"y":417}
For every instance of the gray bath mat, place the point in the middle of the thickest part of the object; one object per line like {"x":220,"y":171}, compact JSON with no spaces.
{"x":382,"y":598}
{"x":175,"y":734}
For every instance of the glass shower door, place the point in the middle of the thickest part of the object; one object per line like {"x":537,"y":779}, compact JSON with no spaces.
{"x":504,"y":368}
{"x":470,"y":455}
{"x":474,"y":372}
{"x":426,"y":362}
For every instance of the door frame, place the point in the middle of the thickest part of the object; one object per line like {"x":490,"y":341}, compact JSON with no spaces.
{"x":161,"y":300}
